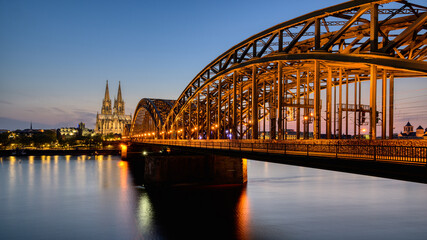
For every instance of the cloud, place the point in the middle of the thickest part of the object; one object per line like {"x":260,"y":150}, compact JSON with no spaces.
{"x":5,"y":102}
{"x":56,"y":109}
{"x":84,"y":113}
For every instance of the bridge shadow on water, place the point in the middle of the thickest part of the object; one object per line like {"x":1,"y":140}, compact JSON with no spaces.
{"x":191,"y":212}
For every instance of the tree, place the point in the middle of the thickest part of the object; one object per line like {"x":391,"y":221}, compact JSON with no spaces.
{"x":45,"y":137}
{"x":4,"y":139}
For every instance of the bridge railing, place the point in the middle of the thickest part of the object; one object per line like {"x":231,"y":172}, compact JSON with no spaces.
{"x":401,"y":154}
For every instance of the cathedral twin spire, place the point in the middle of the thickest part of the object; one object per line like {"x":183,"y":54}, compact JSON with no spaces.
{"x":112,"y":120}
{"x":119,"y":104}
{"x":106,"y":103}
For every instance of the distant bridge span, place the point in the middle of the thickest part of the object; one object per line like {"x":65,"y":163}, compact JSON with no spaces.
{"x":254,"y":89}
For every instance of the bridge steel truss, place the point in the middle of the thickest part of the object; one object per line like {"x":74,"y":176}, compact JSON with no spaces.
{"x":259,"y":84}
{"x":149,"y":116}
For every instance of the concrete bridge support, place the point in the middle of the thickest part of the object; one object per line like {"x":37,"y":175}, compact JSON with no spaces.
{"x":193,"y":169}
{"x":169,"y":169}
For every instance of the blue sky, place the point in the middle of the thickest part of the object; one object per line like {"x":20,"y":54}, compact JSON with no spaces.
{"x":56,"y":55}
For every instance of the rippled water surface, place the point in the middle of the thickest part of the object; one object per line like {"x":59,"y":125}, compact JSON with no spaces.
{"x":64,"y":197}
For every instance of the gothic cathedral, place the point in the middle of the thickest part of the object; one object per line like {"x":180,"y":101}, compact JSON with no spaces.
{"x":112,"y":120}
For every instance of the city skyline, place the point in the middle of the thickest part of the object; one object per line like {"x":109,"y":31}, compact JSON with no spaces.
{"x":56,"y":57}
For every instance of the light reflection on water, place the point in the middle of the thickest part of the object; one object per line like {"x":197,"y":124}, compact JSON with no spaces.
{"x":86,"y":197}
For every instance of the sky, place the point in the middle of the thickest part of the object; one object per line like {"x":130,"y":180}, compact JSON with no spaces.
{"x":55,"y":56}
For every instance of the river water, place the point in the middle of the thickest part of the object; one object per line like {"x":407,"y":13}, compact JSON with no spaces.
{"x":65,"y":197}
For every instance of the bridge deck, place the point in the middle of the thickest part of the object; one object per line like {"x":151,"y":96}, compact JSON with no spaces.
{"x":387,"y":160}
{"x":414,"y":155}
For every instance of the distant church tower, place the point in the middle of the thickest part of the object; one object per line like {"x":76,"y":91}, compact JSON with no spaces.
{"x":119,"y":104}
{"x":408,"y":128}
{"x":112,"y":120}
{"x":106,"y":104}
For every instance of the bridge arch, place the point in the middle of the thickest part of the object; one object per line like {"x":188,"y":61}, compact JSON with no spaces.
{"x":149,"y":116}
{"x":277,"y":75}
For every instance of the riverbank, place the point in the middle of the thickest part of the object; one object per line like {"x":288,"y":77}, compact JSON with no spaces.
{"x":73,"y":152}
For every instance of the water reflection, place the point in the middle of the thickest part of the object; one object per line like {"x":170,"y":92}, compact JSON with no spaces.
{"x":31,"y":173}
{"x":243,"y":216}
{"x":124,"y":178}
{"x":194,"y":213}
{"x":215,"y":212}
{"x":12,"y":160}
{"x":145,"y":213}
{"x":70,"y":197}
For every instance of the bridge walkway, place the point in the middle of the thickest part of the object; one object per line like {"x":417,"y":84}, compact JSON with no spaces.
{"x":410,"y":155}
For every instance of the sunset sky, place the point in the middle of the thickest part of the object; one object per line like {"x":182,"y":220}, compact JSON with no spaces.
{"x":55,"y":56}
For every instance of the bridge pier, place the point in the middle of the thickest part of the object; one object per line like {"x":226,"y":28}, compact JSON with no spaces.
{"x":193,"y":169}
{"x":176,"y":168}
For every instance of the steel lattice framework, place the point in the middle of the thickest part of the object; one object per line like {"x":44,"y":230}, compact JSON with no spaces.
{"x":150,"y":115}
{"x":277,"y":75}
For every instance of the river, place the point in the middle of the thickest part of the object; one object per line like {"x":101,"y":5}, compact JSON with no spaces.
{"x":82,"y":197}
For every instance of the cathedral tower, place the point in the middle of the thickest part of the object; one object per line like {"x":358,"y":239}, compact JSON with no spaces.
{"x":119,"y":104}
{"x":112,"y":121}
{"x":106,"y":104}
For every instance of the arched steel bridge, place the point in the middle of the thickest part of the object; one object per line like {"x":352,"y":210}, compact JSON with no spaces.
{"x":150,"y":115}
{"x":276,"y":76}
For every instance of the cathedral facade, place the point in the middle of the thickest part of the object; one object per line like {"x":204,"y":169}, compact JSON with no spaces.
{"x":112,"y":120}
